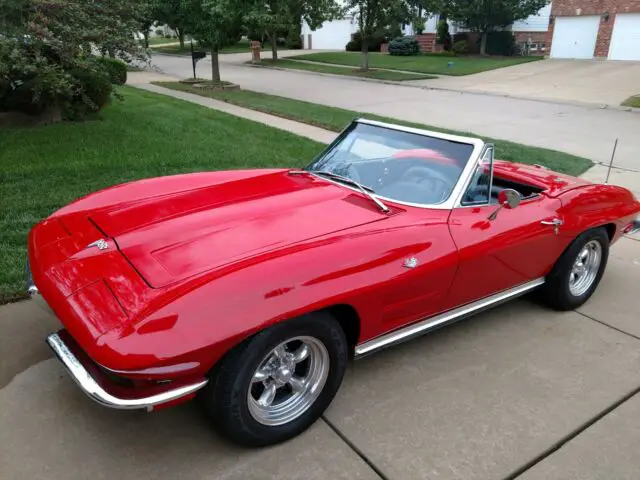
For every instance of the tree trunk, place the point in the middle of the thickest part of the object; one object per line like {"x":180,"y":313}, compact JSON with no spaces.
{"x":483,"y":43}
{"x":180,"y":37}
{"x":215,"y":65}
{"x":364,"y":57}
{"x":146,"y":39}
{"x":274,"y":46}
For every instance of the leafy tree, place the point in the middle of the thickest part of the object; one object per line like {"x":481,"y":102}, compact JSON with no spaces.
{"x":172,"y":13}
{"x":145,"y":18}
{"x":373,"y":16}
{"x":274,"y":16}
{"x":44,"y":43}
{"x":484,"y":16}
{"x":214,"y":24}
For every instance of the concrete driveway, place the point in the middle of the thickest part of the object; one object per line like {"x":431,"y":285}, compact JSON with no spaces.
{"x":596,"y":82}
{"x":492,"y":397}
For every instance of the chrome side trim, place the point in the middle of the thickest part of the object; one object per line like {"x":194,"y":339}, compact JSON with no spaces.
{"x":94,"y":391}
{"x":440,"y":320}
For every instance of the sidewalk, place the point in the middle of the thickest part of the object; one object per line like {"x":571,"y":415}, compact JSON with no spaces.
{"x":141,"y":80}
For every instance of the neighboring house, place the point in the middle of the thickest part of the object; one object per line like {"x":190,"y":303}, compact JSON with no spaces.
{"x":533,"y":30}
{"x":595,"y":28}
{"x":335,"y":34}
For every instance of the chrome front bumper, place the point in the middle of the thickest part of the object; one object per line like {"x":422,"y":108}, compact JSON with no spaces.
{"x":635,"y":228}
{"x":33,"y":291}
{"x":94,"y":389}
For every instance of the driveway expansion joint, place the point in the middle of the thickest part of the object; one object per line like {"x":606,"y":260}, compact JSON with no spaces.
{"x":607,"y":325}
{"x":355,"y":449}
{"x":566,"y":439}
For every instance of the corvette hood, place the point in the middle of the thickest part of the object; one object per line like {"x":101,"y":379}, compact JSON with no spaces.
{"x":171,"y":237}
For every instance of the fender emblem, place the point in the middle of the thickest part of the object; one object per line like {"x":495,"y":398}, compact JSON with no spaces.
{"x":101,"y":244}
{"x":410,"y":262}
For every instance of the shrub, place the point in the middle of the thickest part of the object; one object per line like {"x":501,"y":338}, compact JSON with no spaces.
{"x":355,"y":45}
{"x":460,"y":47}
{"x":159,"y":32}
{"x":93,"y":93}
{"x":404,"y":46}
{"x":500,"y":43}
{"x":443,"y":37}
{"x":25,"y":95}
{"x":114,"y":68}
{"x":470,"y":38}
{"x":294,"y":42}
{"x":418,"y":25}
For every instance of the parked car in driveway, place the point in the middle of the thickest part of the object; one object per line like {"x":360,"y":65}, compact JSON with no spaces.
{"x":252,"y":288}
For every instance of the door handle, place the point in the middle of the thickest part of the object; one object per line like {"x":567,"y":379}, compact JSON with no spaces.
{"x":555,"y":223}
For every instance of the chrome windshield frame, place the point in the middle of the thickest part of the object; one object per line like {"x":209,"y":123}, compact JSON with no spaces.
{"x":463,"y":179}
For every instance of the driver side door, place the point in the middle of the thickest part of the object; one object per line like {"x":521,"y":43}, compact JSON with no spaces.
{"x":510,"y":249}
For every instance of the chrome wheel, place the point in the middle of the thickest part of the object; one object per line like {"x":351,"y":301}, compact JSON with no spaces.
{"x":288,"y":380}
{"x":585,"y":268}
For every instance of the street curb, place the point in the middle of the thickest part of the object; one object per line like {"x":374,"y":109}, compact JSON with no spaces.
{"x":574,"y":103}
{"x":334,"y":75}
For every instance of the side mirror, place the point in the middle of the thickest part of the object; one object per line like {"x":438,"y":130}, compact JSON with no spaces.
{"x":507,"y":198}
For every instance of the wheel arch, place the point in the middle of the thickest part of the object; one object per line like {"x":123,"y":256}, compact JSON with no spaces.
{"x":611,"y":230}
{"x":345,"y":314}
{"x":349,"y":320}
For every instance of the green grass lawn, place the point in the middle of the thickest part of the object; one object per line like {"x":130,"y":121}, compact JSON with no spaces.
{"x":336,"y":119}
{"x":632,"y":102}
{"x":240,"y":47}
{"x":430,"y":64}
{"x":322,"y":68}
{"x":161,"y":40}
{"x":146,"y":135}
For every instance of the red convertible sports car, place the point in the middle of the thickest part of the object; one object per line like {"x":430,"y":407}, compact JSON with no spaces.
{"x":252,"y":288}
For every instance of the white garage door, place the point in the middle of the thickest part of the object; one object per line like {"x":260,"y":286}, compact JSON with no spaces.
{"x":332,"y":35}
{"x":575,"y":37}
{"x":625,"y":41}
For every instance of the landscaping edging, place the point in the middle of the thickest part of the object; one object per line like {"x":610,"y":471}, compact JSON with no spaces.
{"x":335,"y":75}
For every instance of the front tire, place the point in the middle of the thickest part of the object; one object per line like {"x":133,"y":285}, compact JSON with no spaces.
{"x":578,"y":271}
{"x":273,"y":386}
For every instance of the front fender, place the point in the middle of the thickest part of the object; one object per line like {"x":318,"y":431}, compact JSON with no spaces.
{"x":360,"y":267}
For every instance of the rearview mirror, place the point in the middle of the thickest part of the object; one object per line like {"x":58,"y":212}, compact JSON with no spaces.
{"x":507,"y":198}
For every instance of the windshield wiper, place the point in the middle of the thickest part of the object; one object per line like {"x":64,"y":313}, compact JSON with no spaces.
{"x":368,"y":191}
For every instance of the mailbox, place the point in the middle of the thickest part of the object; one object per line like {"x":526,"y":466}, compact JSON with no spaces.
{"x":198,"y":55}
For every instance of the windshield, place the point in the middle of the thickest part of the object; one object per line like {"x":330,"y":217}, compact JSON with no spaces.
{"x":397,"y":165}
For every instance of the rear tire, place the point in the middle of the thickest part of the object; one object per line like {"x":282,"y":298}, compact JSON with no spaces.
{"x":578,"y":271}
{"x":277,"y":383}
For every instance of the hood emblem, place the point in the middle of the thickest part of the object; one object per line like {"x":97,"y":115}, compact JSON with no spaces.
{"x":101,"y":244}
{"x":410,"y":262}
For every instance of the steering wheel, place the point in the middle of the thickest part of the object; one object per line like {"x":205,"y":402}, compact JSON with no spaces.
{"x":439,"y":183}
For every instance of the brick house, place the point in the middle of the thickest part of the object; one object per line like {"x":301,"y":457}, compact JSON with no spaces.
{"x":607,"y":29}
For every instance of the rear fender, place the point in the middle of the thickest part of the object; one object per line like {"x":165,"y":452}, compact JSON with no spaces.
{"x":594,"y":206}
